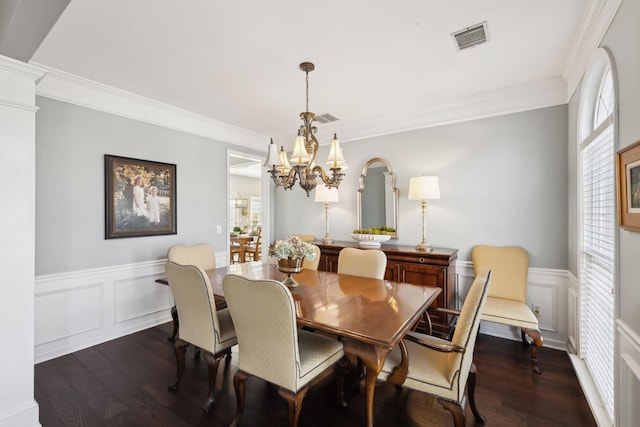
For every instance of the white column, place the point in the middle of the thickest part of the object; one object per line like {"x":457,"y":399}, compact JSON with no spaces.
{"x":17,"y":241}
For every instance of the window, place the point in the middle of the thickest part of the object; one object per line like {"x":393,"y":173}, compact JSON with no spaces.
{"x":597,"y":228}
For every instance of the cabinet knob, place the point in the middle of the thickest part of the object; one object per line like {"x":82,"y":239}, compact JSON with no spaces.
{"x":421,"y":260}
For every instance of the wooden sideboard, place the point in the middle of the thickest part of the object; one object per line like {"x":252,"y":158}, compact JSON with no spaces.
{"x":405,"y":264}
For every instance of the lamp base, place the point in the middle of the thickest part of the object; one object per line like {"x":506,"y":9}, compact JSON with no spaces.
{"x":424,"y":247}
{"x":327,"y":240}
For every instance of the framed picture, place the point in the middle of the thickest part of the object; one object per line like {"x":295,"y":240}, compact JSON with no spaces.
{"x":140,"y":197}
{"x":628,"y":176}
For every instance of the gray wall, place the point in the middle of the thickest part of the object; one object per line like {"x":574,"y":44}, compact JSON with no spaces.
{"x":503,"y":181}
{"x":621,"y":40}
{"x":71,"y":143}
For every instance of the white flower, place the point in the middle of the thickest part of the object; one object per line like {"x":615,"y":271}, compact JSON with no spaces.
{"x":293,"y":248}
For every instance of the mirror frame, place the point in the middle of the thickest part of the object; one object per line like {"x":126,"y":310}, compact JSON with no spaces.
{"x":393,"y":188}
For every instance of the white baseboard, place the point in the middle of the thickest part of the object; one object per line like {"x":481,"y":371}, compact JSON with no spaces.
{"x":26,"y":415}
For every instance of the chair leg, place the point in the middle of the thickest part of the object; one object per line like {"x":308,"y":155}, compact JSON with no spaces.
{"x":213,"y":360}
{"x":456,"y":410}
{"x":538,"y":340}
{"x":471,"y":392}
{"x":239,"y":380}
{"x":294,"y":402}
{"x":174,"y":316}
{"x":180,"y":350}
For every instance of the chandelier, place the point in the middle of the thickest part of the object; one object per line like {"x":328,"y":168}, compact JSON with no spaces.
{"x":305,"y":149}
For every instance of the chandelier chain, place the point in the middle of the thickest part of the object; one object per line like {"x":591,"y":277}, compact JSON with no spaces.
{"x":307,"y":73}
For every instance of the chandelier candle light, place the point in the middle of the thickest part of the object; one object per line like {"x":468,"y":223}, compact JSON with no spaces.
{"x":304,"y":153}
{"x":326,"y":195}
{"x":424,"y":188}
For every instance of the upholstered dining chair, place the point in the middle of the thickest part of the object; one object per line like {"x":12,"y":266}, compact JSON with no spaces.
{"x":201,"y":255}
{"x":270,"y":346}
{"x":439,"y":367}
{"x":305,"y":237}
{"x":201,"y":324}
{"x":507,"y":300}
{"x":370,"y":263}
{"x":313,"y":264}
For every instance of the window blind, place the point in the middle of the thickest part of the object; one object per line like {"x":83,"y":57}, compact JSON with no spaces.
{"x":597,"y":263}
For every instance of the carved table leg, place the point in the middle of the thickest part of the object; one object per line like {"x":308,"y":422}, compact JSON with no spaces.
{"x":373,"y":359}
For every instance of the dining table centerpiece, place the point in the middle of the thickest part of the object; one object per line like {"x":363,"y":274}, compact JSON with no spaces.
{"x":290,"y":253}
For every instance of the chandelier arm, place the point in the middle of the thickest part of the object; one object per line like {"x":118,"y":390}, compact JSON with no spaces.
{"x":332,"y":181}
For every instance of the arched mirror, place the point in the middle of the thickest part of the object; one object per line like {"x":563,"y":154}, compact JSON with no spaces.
{"x":377,"y":198}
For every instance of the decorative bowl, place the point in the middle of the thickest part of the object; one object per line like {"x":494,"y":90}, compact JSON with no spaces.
{"x":370,"y":240}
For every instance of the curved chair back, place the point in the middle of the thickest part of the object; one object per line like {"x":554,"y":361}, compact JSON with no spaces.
{"x":467,"y":329}
{"x":201,"y":255}
{"x":265,"y":321}
{"x":305,"y":237}
{"x":370,"y":263}
{"x":194,"y":300}
{"x":509,"y":267}
{"x":313,"y":264}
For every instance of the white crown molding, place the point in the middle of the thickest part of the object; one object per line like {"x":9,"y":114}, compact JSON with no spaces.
{"x":530,"y":96}
{"x":594,"y":25}
{"x":30,"y":71}
{"x":73,"y":89}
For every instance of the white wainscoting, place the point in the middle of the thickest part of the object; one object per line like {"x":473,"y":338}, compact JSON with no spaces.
{"x":78,"y":309}
{"x":546,"y":292}
{"x":628,"y":376}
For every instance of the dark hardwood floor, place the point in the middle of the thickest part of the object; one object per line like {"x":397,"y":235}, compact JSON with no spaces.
{"x":124,"y":383}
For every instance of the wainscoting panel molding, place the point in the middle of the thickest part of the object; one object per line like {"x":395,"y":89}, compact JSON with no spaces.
{"x":628,"y":376}
{"x":78,"y":309}
{"x":547,"y":291}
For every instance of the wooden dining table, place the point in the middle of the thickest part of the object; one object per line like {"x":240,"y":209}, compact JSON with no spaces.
{"x":369,"y":316}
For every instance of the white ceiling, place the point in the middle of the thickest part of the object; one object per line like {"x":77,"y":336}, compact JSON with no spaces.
{"x":237,"y":61}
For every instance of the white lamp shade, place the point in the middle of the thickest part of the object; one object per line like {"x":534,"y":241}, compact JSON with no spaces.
{"x":272,"y":156}
{"x":300,"y":154}
{"x":335,"y":158}
{"x":286,"y":167}
{"x":326,"y":195}
{"x":424,"y":188}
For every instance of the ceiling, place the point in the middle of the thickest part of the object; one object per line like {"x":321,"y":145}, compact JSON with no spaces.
{"x":376,"y":61}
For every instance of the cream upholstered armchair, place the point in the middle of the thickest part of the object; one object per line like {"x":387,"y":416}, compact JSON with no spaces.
{"x":370,"y":263}
{"x":507,"y":300}
{"x":270,"y":346}
{"x":313,"y":264}
{"x":201,"y":324}
{"x":439,"y":367}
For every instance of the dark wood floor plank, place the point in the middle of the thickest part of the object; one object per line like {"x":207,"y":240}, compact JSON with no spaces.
{"x":135,"y":371}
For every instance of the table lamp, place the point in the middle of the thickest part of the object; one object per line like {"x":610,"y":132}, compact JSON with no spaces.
{"x":326,"y":195}
{"x":424,"y":188}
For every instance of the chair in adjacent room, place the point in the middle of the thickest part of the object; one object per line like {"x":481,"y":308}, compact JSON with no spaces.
{"x":200,"y":323}
{"x":439,"y":367}
{"x":270,"y":346}
{"x":507,"y":300}
{"x":254,"y":249}
{"x":370,"y":263}
{"x":313,"y":264}
{"x":234,"y":253}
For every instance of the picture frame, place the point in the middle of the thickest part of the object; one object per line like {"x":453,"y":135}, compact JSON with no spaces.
{"x":628,"y":178}
{"x":140,"y":197}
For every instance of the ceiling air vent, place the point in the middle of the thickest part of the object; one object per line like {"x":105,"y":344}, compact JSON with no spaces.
{"x":471,"y":36}
{"x":325,"y":118}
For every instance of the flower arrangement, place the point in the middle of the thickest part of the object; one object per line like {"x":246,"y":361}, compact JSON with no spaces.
{"x":292,"y":248}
